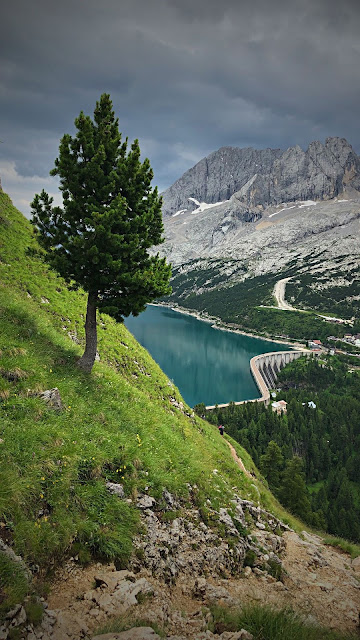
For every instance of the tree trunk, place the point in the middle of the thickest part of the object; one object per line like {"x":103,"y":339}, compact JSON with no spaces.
{"x":87,"y":360}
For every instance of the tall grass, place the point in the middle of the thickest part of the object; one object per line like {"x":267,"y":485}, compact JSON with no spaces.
{"x":267,"y":623}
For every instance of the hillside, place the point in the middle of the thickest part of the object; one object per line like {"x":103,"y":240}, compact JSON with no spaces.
{"x":316,"y":443}
{"x":292,"y":214}
{"x":120,"y":472}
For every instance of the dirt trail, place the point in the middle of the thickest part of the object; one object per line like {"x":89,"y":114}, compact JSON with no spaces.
{"x":238,"y":460}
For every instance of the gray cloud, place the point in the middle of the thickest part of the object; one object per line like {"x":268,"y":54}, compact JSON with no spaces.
{"x":186,"y":77}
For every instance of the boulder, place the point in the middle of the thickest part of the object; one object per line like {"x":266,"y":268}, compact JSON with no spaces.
{"x":116,"y":489}
{"x":52,"y":398}
{"x":146,"y":502}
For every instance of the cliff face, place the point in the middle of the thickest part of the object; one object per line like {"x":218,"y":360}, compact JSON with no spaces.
{"x":264,"y":208}
{"x":266,"y":177}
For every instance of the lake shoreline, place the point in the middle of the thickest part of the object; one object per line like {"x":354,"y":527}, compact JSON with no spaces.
{"x":217,"y":323}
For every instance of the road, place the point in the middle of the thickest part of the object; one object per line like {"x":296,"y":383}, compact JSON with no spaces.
{"x":279,"y":293}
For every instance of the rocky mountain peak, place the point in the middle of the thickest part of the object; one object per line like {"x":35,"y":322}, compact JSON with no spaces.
{"x":264,"y":177}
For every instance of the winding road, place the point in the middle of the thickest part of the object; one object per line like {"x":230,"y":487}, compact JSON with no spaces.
{"x":279,"y":293}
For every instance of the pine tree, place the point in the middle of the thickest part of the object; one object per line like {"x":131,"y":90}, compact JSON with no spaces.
{"x":111,"y":216}
{"x":293,"y":493}
{"x":271,"y":464}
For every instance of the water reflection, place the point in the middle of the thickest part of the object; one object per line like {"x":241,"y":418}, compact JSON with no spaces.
{"x":206,"y":364}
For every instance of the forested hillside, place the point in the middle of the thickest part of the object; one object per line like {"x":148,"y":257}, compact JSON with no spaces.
{"x":310,"y":456}
{"x":249,"y":305}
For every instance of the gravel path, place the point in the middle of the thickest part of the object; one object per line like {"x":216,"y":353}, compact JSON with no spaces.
{"x":279,"y":293}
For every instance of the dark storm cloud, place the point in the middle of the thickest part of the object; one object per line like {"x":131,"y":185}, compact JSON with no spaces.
{"x":186,"y":76}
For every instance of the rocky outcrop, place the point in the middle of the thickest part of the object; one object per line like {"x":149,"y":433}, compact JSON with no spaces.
{"x":266,"y":177}
{"x":147,"y":633}
{"x":186,"y":545}
{"x":279,"y":568}
{"x":52,"y":398}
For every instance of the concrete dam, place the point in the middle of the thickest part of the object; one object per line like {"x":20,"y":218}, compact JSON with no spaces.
{"x":265,"y":369}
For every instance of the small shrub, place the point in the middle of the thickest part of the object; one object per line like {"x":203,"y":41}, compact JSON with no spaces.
{"x":34,"y":611}
{"x":14,"y":584}
{"x":86,"y":470}
{"x":124,"y":623}
{"x":223,"y":619}
{"x":140,"y":553}
{"x":243,"y":531}
{"x":266,"y":623}
{"x":275,"y":569}
{"x":82,"y":553}
{"x":250,"y":558}
{"x":169,"y":516}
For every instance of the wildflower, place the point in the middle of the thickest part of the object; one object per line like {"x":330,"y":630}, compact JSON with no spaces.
{"x":41,"y":495}
{"x":42,"y":478}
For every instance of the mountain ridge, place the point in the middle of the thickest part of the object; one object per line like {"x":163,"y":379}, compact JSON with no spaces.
{"x":275,"y":175}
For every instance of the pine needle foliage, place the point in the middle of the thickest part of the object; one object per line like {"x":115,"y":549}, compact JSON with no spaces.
{"x":111,"y":216}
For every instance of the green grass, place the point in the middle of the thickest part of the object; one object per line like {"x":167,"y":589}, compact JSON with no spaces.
{"x":266,"y":623}
{"x":14,"y":584}
{"x":117,"y":424}
{"x":347,"y":547}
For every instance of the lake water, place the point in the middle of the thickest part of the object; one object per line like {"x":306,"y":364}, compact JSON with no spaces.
{"x":206,"y":364}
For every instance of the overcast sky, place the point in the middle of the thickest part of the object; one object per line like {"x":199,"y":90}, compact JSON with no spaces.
{"x":186,"y":77}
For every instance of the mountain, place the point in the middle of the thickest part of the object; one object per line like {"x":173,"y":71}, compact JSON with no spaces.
{"x":266,"y":177}
{"x":241,"y":214}
{"x":118,"y":504}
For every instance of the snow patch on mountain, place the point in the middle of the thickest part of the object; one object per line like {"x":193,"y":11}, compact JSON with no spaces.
{"x":284,"y":209}
{"x":202,"y":206}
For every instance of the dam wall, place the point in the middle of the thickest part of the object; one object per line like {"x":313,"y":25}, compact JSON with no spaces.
{"x":265,"y":369}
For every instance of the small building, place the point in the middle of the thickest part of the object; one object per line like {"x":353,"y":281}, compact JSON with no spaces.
{"x":279,"y":407}
{"x":310,"y":404}
{"x":314,"y":344}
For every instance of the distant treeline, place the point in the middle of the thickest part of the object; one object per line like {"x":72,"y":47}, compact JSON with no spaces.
{"x":241,"y":305}
{"x":309,"y":457}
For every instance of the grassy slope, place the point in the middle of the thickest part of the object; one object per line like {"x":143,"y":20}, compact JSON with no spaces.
{"x":117,"y":423}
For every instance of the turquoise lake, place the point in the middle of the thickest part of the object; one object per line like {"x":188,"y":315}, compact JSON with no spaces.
{"x":206,"y":364}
